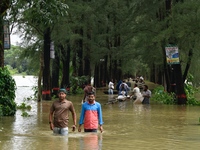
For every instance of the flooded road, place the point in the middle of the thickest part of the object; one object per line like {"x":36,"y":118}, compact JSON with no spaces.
{"x":126,"y":126}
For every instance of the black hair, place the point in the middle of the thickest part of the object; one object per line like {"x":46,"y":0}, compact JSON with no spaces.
{"x":91,"y":93}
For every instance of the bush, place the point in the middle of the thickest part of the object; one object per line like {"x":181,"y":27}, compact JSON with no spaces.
{"x":162,"y":96}
{"x":190,"y":91}
{"x":7,"y":93}
{"x":76,"y":84}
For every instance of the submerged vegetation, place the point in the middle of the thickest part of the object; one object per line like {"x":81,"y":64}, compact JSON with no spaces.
{"x":24,"y":107}
{"x":161,"y":96}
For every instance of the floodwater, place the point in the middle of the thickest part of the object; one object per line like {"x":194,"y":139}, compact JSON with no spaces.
{"x":126,"y":126}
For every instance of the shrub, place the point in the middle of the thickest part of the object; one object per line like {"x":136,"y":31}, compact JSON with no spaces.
{"x":7,"y":93}
{"x":161,"y":96}
{"x":190,"y":91}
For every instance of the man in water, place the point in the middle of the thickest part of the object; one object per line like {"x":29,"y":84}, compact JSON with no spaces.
{"x":87,"y":89}
{"x":146,"y":94}
{"x":123,"y":87}
{"x":59,"y":114}
{"x":110,"y":87}
{"x":91,"y":115}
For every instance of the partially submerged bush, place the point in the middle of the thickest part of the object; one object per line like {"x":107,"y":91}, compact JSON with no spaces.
{"x":161,"y":96}
{"x":190,"y":91}
{"x":7,"y":93}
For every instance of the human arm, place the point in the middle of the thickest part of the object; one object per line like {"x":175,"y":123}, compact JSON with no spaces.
{"x":101,"y":128}
{"x":74,"y":117}
{"x":79,"y":128}
{"x":81,"y":121}
{"x":51,"y":120}
{"x":100,"y":118}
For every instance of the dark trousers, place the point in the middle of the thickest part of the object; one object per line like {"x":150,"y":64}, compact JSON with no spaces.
{"x":145,"y":100}
{"x":90,"y":130}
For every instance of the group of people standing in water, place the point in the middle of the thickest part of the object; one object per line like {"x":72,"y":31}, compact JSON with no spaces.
{"x":140,"y":93}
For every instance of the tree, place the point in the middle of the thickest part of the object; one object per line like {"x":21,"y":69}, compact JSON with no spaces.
{"x":38,"y":18}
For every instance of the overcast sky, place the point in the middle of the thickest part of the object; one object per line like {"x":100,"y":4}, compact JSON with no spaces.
{"x":14,"y":39}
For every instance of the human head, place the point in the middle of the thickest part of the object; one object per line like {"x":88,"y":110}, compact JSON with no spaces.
{"x":87,"y":82}
{"x":145,"y":87}
{"x":135,"y":85}
{"x":62,"y":94}
{"x":62,"y":90}
{"x":91,"y":97}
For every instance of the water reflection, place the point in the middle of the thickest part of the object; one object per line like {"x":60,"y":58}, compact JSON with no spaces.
{"x":91,"y":141}
{"x":122,"y":105}
{"x":140,"y":108}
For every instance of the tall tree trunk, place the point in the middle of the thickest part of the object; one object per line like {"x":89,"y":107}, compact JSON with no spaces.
{"x":66,"y":62}
{"x":4,"y":5}
{"x":55,"y":72}
{"x":179,"y":85}
{"x":166,"y":71}
{"x":105,"y":72}
{"x":39,"y":94}
{"x":80,"y":54}
{"x":153,"y":73}
{"x":96,"y":76}
{"x":190,"y":54}
{"x":1,"y":42}
{"x":46,"y":93}
{"x":87,"y":67}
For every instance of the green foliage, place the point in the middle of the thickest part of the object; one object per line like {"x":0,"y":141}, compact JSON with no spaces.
{"x":1,"y":110}
{"x":24,"y":106}
{"x":19,"y":63}
{"x":114,"y":29}
{"x":7,"y":93}
{"x":76,"y":84}
{"x":190,"y":91}
{"x":12,"y":70}
{"x":162,"y":96}
{"x":25,"y":114}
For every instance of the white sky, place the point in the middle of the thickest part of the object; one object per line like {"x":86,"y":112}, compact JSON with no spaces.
{"x":14,"y":39}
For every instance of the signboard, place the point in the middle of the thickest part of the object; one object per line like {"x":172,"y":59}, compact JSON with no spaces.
{"x":172,"y":55}
{"x":6,"y":30}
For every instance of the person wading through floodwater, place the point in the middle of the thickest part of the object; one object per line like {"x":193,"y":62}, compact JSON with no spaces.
{"x":91,"y":115}
{"x":87,"y":89}
{"x":59,"y":114}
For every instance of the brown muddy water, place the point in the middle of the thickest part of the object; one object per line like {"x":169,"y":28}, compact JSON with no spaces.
{"x":126,"y":126}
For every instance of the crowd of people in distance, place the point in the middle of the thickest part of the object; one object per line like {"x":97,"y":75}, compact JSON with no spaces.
{"x":140,"y":93}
